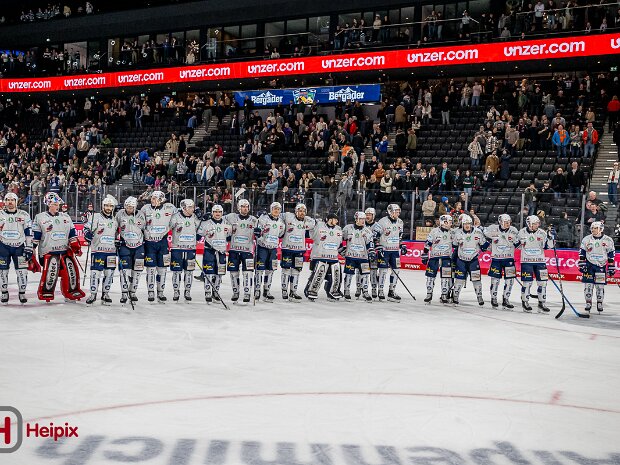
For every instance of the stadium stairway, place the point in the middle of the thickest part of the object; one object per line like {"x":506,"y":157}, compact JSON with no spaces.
{"x":607,"y":155}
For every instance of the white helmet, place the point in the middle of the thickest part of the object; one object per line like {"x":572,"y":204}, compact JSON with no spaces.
{"x":597,"y":225}
{"x":465,"y":219}
{"x":217,"y":208}
{"x":159,"y":195}
{"x":187,"y":203}
{"x":532,"y":220}
{"x":360,"y":216}
{"x":275,"y":205}
{"x":243,"y":203}
{"x":299,"y":207}
{"x":109,"y":200}
{"x":371,"y":211}
{"x":52,"y":197}
{"x":11,"y":196}
{"x":504,"y":217}
{"x":131,"y":202}
{"x":445,"y":220}
{"x":391,"y":208}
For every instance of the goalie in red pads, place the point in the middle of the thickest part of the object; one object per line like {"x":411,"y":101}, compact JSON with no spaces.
{"x":57,"y":244}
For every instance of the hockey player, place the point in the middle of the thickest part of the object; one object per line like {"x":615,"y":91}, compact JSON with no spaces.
{"x":504,"y":238}
{"x":15,"y":246}
{"x":468,"y":243}
{"x":241,"y":252}
{"x":358,"y":252}
{"x":156,"y":254}
{"x":57,"y":244}
{"x":324,"y":265}
{"x":100,"y":232}
{"x":297,"y":227}
{"x":184,"y":226}
{"x":596,"y":252}
{"x":131,"y":224}
{"x":534,"y":241}
{"x":216,"y":232}
{"x":370,"y":222}
{"x":388,"y":232}
{"x":437,"y":255}
{"x":269,"y":229}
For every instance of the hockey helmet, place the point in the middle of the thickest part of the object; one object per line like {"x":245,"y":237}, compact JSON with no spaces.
{"x":598,"y":226}
{"x":11,"y":196}
{"x":158,"y":195}
{"x":531,"y":221}
{"x":445,"y":220}
{"x":109,"y":200}
{"x":217,"y":208}
{"x":370,"y":211}
{"x":243,"y":203}
{"x":277,"y":205}
{"x":360,"y":216}
{"x":51,"y":198}
{"x":504,"y":218}
{"x":131,"y":202}
{"x":464,"y":218}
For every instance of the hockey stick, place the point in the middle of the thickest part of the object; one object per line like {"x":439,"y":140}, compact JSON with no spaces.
{"x":401,"y":281}
{"x":215,"y":293}
{"x":557,"y":265}
{"x":124,"y":276}
{"x":92,"y":219}
{"x":580,"y":315}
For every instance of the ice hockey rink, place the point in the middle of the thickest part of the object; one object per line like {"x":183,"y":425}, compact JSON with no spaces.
{"x":314,"y":383}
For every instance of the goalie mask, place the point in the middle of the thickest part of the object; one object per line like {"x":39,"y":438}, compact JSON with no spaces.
{"x":445,"y":221}
{"x":393,"y":210}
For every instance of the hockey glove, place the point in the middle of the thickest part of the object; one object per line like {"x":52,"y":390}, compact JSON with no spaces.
{"x":33,"y":265}
{"x":341,"y":250}
{"x":582,"y":265}
{"x":372,"y":256}
{"x":75,"y":246}
{"x":28,"y":252}
{"x":403,"y":249}
{"x":88,"y":236}
{"x":424,"y":257}
{"x":379,"y":252}
{"x":552,"y":233}
{"x":118,"y":243}
{"x":611,"y":268}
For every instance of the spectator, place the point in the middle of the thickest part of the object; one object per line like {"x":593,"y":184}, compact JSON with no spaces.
{"x":475,"y":153}
{"x":531,"y":200}
{"x":422,"y":186}
{"x":559,"y":184}
{"x":229,"y":176}
{"x":445,"y":107}
{"x":560,"y":140}
{"x":476,"y":91}
{"x":386,"y":186}
{"x":575,"y":179}
{"x":446,"y":179}
{"x":428,"y":208}
{"x":593,"y":213}
{"x":613,"y":110}
{"x":492,"y":162}
{"x":575,"y":141}
{"x":612,"y":184}
{"x":468,"y":184}
{"x":565,"y":230}
{"x":589,"y":139}
{"x":505,"y":165}
{"x":412,"y":143}
{"x":488,"y":178}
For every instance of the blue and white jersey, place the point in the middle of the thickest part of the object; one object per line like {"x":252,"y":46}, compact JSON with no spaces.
{"x":157,"y":221}
{"x":269,"y":231}
{"x":326,"y":241}
{"x":469,"y":243}
{"x":359,"y":241}
{"x":15,"y":228}
{"x":533,"y":245}
{"x":439,"y":241}
{"x":216,"y":234}
{"x":242,"y":237}
{"x":52,"y":232}
{"x":184,"y":229}
{"x":131,"y":228}
{"x":295,"y":231}
{"x":388,"y":233}
{"x":102,"y":229}
{"x":503,"y":243}
{"x":597,"y":250}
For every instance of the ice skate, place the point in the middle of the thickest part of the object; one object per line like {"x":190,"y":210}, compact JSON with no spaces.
{"x":256,"y":295}
{"x":267,"y":297}
{"x":176,"y":295}
{"x":381,"y":295}
{"x":105,"y":299}
{"x":367,"y":296}
{"x":133,"y":296}
{"x":124,"y":298}
{"x":444,"y":299}
{"x":393,"y":296}
{"x":235,"y":296}
{"x":588,"y":308}
{"x":295,"y":297}
{"x":22,"y":298}
{"x":332,"y":297}
{"x":151,"y":297}
{"x":599,"y":307}
{"x":494,"y":303}
{"x":285,"y":294}
{"x":91,"y":299}
{"x":358,"y":293}
{"x":527,"y":308}
{"x":161,"y":298}
{"x":480,"y":300}
{"x":246,"y":297}
{"x":507,"y":304}
{"x":374,"y":293}
{"x":187,"y":296}
{"x":208,"y":297}
{"x":428,"y":298}
{"x":542,"y":308}
{"x":5,"y":298}
{"x":347,"y":296}
{"x":455,"y":299}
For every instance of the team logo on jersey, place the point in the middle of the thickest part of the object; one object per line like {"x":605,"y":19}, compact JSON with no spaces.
{"x":57,"y":221}
{"x":11,"y":220}
{"x":157,"y":215}
{"x":187,"y":223}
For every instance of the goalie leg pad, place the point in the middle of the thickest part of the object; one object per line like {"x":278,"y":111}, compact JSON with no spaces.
{"x":336,"y":278}
{"x":49,"y":277}
{"x":316,"y":279}
{"x":70,"y":278}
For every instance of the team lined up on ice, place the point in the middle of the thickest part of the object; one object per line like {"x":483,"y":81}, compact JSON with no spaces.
{"x":246,"y":246}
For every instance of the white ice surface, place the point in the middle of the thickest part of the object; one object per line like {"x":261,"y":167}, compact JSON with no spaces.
{"x":314,"y":383}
